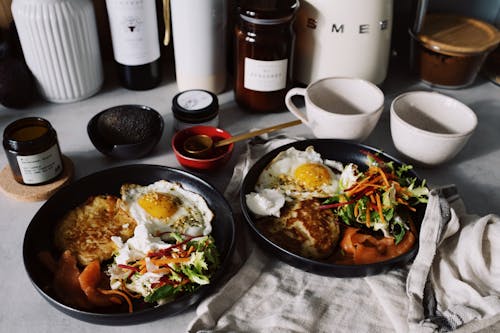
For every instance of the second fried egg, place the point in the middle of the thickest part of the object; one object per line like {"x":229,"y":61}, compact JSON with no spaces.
{"x":167,"y":207}
{"x":299,"y":175}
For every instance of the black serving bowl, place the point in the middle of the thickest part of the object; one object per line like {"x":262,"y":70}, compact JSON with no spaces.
{"x":40,"y":234}
{"x":132,"y":131}
{"x":344,"y":152}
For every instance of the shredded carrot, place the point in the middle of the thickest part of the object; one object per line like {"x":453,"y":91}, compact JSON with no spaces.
{"x":126,"y":291}
{"x":368,"y":216}
{"x":165,"y":261}
{"x":382,"y":173}
{"x":356,"y":209}
{"x":403,"y":202}
{"x":357,"y":184}
{"x":122,"y":294}
{"x":163,"y":270}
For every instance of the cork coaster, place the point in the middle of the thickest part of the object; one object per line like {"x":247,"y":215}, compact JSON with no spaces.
{"x":20,"y":192}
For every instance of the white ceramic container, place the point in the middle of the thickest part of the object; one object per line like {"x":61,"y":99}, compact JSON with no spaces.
{"x":199,"y":37}
{"x":430,"y":128}
{"x":61,"y":47}
{"x":343,"y":38}
{"x":339,"y":107}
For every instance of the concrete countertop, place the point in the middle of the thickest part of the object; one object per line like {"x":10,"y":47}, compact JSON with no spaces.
{"x":475,"y":171}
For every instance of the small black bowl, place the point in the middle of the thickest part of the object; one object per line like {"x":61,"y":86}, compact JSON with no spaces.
{"x":39,"y":237}
{"x":126,"y":131}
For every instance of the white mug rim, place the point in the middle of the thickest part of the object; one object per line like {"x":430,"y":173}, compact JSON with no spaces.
{"x":375,"y":88}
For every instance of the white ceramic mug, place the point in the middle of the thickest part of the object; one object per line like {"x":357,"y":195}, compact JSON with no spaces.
{"x":339,"y":107}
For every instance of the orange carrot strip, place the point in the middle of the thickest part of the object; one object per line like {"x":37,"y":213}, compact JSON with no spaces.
{"x":368,"y":223}
{"x":382,"y":173}
{"x":166,"y":261}
{"x":362,"y":181}
{"x":401,"y":201}
{"x":122,"y":294}
{"x":163,"y":270}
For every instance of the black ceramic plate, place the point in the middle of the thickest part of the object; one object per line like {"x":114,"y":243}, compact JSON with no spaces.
{"x":39,"y":234}
{"x":341,"y":151}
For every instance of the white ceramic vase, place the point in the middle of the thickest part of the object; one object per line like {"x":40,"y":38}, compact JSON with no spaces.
{"x":61,"y":47}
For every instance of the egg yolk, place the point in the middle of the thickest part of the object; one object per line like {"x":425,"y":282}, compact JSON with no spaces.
{"x":312,"y":175}
{"x":159,"y":205}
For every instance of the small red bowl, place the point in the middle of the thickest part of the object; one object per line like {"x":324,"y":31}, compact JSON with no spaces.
{"x":218,"y":159}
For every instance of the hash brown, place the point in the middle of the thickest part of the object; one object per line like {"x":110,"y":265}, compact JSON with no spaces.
{"x":303,"y":228}
{"x":87,"y":229}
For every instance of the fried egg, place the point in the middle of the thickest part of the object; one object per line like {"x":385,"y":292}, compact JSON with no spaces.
{"x":167,"y":207}
{"x":299,"y":175}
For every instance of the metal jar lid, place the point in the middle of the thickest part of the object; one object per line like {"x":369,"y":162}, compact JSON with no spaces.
{"x":268,"y":11}
{"x":457,"y":35}
{"x":195,"y":106}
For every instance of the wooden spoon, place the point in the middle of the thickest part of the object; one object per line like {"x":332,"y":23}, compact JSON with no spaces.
{"x":202,"y":145}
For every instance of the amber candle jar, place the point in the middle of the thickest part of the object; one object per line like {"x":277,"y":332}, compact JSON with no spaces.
{"x":32,"y":151}
{"x":264,"y":45}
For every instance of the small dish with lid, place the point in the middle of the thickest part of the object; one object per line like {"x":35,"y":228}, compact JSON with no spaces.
{"x":451,"y":49}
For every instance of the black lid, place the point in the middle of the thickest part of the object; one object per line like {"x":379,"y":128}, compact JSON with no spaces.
{"x":268,"y":9}
{"x":195,"y":105}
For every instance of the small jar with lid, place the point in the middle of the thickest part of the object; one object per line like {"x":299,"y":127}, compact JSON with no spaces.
{"x":264,"y":47}
{"x":195,"y":107}
{"x":452,"y":49}
{"x":33,"y":151}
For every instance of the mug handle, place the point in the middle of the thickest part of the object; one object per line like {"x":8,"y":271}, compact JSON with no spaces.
{"x":291,"y":106}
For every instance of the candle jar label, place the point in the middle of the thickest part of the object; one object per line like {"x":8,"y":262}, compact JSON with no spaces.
{"x":41,"y":167}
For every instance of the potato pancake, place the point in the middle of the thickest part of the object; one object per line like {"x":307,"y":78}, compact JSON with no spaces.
{"x":303,"y":228}
{"x":86,"y":230}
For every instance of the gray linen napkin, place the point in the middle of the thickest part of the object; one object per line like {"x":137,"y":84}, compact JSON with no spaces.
{"x":267,"y":295}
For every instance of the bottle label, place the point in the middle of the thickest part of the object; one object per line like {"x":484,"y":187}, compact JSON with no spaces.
{"x":265,"y":75}
{"x":134,"y":31}
{"x":39,"y":168}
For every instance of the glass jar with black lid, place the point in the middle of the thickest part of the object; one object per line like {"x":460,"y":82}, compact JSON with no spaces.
{"x":33,"y":151}
{"x":264,"y":46}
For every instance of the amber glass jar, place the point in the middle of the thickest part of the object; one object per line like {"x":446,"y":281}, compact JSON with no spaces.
{"x":32,"y":151}
{"x":264,"y":45}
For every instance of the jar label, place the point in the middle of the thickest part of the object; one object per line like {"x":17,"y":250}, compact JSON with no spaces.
{"x":134,"y":31}
{"x":265,"y":75}
{"x":39,"y":168}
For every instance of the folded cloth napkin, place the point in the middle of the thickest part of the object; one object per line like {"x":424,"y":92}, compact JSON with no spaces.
{"x":453,"y":283}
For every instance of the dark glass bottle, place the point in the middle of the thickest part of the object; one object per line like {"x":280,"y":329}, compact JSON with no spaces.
{"x":264,"y":45}
{"x":136,"y":46}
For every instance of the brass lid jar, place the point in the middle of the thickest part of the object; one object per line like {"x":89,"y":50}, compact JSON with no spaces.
{"x":264,"y":46}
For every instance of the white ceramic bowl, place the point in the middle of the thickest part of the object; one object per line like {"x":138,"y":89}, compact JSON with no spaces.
{"x":430,"y":128}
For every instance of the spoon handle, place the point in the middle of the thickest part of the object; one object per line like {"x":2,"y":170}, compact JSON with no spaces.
{"x":248,"y":135}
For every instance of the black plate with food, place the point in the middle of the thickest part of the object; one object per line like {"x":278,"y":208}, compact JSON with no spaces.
{"x":334,"y":219}
{"x":144,"y":273}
